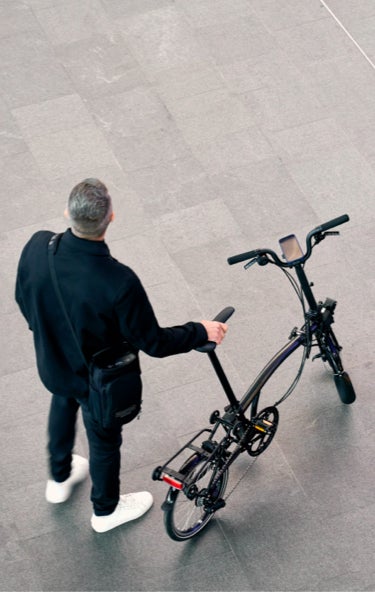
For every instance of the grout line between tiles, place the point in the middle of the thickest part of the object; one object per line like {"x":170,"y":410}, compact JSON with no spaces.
{"x":348,"y":34}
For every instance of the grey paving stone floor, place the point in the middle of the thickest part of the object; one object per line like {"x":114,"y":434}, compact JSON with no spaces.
{"x":218,"y":126}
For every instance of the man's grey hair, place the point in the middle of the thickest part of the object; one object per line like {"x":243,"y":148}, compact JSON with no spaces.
{"x":90,"y":208}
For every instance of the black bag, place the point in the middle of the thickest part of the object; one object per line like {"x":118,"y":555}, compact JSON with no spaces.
{"x":115,"y":388}
{"x":115,"y":395}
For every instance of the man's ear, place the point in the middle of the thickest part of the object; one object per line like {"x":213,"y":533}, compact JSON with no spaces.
{"x":112,"y":217}
{"x":66,"y":213}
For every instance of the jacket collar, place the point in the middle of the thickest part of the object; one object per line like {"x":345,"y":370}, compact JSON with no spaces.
{"x":74,"y":243}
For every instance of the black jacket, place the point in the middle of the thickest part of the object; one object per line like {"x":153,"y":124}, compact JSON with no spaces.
{"x":106,"y":304}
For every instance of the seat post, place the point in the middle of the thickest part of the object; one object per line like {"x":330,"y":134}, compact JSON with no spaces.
{"x":222,"y":378}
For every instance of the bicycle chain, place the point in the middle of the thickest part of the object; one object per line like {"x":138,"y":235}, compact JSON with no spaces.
{"x":241,"y":478}
{"x":248,"y":468}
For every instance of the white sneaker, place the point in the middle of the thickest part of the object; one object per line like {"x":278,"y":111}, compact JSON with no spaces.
{"x":60,"y":492}
{"x":129,"y":507}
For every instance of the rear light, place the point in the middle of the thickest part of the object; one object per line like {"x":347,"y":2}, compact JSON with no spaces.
{"x":172,"y":482}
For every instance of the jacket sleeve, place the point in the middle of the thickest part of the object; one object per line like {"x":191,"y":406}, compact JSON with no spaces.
{"x":19,"y":294}
{"x":140,"y":327}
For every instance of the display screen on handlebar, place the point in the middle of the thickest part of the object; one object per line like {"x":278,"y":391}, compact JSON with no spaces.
{"x":291,"y":248}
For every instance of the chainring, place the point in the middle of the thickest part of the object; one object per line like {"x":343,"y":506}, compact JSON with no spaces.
{"x":264,"y":426}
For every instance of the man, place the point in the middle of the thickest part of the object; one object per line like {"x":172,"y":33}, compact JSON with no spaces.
{"x":106,"y":303}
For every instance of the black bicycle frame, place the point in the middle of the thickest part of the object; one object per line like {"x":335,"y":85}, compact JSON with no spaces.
{"x":291,"y":346}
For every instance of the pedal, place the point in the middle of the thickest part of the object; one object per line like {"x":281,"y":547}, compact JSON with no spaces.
{"x":220,"y":503}
{"x":263,"y":425}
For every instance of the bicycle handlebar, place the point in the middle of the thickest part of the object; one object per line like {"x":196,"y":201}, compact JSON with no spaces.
{"x":257,"y":253}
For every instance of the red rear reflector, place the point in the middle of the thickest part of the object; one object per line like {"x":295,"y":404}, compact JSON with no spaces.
{"x":172,"y":482}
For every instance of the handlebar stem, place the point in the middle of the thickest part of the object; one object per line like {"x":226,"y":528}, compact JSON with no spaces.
{"x":306,"y":288}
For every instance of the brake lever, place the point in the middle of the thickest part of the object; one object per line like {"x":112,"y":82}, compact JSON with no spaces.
{"x":250,"y":263}
{"x":321,"y":236}
{"x":261,"y":260}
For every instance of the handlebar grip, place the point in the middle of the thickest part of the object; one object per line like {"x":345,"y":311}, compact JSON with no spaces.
{"x":222,"y":317}
{"x":243,"y":257}
{"x":332,"y":223}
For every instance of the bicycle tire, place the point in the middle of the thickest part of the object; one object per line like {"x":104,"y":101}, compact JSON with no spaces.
{"x":342,"y":379}
{"x":184,"y":518}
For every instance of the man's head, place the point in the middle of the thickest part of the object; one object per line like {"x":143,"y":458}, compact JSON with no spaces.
{"x":90,"y":209}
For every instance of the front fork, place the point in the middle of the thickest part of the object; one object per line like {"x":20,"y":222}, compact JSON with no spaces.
{"x":326,"y":341}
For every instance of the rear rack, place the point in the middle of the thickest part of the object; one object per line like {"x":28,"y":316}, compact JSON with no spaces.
{"x":175,"y":478}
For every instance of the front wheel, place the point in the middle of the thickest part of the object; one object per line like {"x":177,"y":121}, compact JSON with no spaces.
{"x":330,"y":349}
{"x":185,"y":517}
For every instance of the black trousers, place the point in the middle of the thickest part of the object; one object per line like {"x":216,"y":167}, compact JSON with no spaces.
{"x":104,"y":451}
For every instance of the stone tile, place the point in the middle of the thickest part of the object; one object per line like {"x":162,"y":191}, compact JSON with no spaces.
{"x":150,"y":149}
{"x":202,"y":104}
{"x":73,"y":21}
{"x":361,"y":30}
{"x":356,"y":580}
{"x":203,"y":13}
{"x":314,"y":41}
{"x":100,"y":66}
{"x":25,"y":47}
{"x":22,"y":179}
{"x":362,"y":136}
{"x":48,"y":81}
{"x":274,"y":67}
{"x":74,"y":150}
{"x":204,"y":577}
{"x":290,"y":14}
{"x":137,"y":111}
{"x":52,"y":116}
{"x":195,"y":226}
{"x":19,"y":572}
{"x":335,"y":178}
{"x":204,"y":117}
{"x":235,"y":39}
{"x":276,"y":107}
{"x":11,"y":139}
{"x":350,"y":10}
{"x":17,"y":344}
{"x":116,"y":9}
{"x":41,"y":3}
{"x":139,"y":128}
{"x":22,"y":54}
{"x":309,"y":140}
{"x":162,"y":39}
{"x":25,"y":389}
{"x":181,"y":82}
{"x":173,"y":185}
{"x":232,"y":151}
{"x":259,"y":209}
{"x":16,"y":17}
{"x":342,"y":85}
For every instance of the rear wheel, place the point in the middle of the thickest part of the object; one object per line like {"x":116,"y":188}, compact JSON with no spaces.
{"x":330,"y":350}
{"x":185,"y":517}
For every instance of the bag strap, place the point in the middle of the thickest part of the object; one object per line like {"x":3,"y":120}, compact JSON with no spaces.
{"x":52,"y":248}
